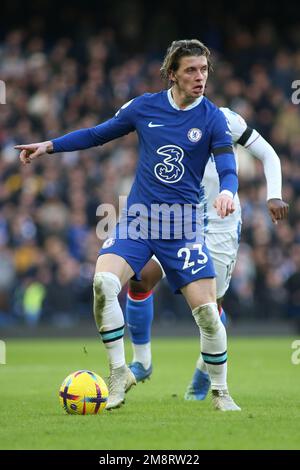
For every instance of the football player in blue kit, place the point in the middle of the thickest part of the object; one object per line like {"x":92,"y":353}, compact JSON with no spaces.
{"x":178,"y":130}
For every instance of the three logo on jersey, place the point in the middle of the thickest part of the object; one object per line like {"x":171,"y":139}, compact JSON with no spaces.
{"x":171,"y":170}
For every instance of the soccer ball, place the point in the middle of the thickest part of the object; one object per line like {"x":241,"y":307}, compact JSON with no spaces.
{"x":83,"y":393}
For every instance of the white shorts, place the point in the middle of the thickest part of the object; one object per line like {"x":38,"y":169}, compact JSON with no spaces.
{"x":223,"y":248}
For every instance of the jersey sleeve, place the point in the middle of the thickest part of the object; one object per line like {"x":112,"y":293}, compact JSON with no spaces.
{"x":236,"y":123}
{"x":261,"y":149}
{"x":258,"y":147}
{"x":222,"y":149}
{"x":121,"y":124}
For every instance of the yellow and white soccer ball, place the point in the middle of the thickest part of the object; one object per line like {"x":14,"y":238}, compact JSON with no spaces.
{"x":83,"y":393}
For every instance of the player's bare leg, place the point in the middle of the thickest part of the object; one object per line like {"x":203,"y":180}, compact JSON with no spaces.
{"x":112,"y":271}
{"x":200,"y":296}
{"x":139,"y":316}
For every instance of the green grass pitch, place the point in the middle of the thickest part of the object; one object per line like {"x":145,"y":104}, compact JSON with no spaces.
{"x":262,"y":380}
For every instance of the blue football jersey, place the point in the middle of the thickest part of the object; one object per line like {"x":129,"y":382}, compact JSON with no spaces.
{"x":174,"y":146}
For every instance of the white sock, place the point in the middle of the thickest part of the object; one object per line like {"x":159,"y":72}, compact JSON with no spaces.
{"x":115,"y":352}
{"x":201,"y":365}
{"x":109,"y":316}
{"x":213,"y":344}
{"x":142,"y":354}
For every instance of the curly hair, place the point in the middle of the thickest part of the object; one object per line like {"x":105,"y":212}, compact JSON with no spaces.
{"x":183,"y":48}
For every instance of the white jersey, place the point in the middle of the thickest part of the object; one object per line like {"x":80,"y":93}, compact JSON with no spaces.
{"x":210,"y":182}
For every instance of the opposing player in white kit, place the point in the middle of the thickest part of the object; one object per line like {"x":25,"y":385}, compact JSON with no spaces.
{"x":222,"y":240}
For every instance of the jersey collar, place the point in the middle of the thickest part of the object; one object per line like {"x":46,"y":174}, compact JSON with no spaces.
{"x":174,"y":105}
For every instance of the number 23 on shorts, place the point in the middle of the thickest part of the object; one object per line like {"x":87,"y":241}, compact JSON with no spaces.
{"x":186,"y":253}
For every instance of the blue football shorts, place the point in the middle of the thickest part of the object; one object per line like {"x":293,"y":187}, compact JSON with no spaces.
{"x":183,"y":260}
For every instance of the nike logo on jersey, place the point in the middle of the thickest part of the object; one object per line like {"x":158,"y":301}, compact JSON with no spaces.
{"x":154,"y":125}
{"x":195,"y":271}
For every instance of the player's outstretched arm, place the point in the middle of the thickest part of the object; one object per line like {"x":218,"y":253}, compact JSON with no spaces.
{"x":31,"y":151}
{"x":121,"y":124}
{"x":76,"y":140}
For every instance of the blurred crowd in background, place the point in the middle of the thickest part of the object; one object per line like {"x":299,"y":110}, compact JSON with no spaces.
{"x":59,"y":83}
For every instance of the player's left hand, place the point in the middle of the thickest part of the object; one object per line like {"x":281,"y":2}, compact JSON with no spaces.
{"x":224,"y":205}
{"x":278,"y":209}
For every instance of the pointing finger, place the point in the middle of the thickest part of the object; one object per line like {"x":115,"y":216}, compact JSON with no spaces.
{"x":23,"y":147}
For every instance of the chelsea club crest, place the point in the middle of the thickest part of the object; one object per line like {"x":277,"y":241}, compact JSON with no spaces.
{"x":194,"y":134}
